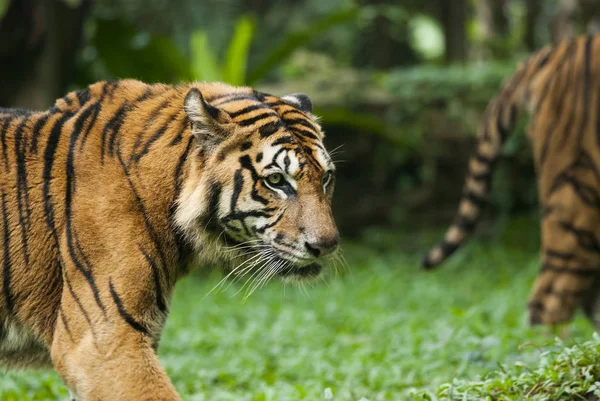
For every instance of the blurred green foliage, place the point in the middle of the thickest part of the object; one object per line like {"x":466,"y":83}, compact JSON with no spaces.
{"x":377,"y":71}
{"x":205,"y":63}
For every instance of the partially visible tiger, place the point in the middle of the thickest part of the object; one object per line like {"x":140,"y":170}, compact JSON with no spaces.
{"x":107,"y":196}
{"x":560,"y":87}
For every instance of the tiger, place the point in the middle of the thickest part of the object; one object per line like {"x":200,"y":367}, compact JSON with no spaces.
{"x":116,"y":191}
{"x":559,"y":87}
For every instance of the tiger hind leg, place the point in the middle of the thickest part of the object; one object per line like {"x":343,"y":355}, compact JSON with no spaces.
{"x":569,"y":269}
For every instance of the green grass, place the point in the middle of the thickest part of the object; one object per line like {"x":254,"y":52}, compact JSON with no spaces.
{"x":384,"y":331}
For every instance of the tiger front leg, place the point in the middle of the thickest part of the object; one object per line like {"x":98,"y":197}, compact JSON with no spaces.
{"x":107,"y":329}
{"x":127,"y":369}
{"x":105,"y":358}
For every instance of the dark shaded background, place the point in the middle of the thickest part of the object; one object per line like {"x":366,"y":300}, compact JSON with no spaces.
{"x":400,"y":85}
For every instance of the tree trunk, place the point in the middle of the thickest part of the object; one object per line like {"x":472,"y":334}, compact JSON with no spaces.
{"x":453,"y":15}
{"x":534,"y":8}
{"x":38,"y":48}
{"x":492,"y":17}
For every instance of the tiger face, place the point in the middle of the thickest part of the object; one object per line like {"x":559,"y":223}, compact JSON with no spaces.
{"x":260,"y":191}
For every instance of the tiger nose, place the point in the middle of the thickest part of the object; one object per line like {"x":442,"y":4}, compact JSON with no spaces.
{"x":322,"y":247}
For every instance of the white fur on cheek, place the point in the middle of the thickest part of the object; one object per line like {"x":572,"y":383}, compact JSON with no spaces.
{"x":190,"y":206}
{"x":323,"y":159}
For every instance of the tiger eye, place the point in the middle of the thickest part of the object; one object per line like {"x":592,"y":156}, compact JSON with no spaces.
{"x":275,"y":179}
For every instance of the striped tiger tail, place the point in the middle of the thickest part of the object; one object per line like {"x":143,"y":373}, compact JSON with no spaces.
{"x":499,"y":121}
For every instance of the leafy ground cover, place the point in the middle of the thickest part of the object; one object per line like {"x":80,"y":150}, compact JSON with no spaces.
{"x":384,"y":330}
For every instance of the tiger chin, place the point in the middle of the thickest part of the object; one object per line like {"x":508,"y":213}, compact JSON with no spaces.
{"x":108,"y":197}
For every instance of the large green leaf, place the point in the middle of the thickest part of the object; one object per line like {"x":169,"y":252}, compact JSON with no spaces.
{"x":236,"y":60}
{"x":293,"y":40}
{"x":205,"y":66}
{"x":128,"y":53}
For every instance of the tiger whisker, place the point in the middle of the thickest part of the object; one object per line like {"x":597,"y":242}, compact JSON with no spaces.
{"x":232,"y":272}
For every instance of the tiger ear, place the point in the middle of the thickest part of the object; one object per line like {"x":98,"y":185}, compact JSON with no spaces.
{"x":300,"y":101}
{"x":207,"y":120}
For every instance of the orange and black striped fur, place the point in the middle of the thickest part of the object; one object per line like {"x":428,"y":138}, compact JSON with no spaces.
{"x":560,"y":87}
{"x":107,"y":197}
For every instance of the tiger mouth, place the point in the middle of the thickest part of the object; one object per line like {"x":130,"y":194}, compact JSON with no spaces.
{"x":309,"y":271}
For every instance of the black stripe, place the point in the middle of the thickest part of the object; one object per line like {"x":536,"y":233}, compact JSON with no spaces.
{"x":247,"y":110}
{"x":569,"y":59}
{"x":270,"y":128}
{"x":6,"y":267}
{"x":179,"y":169}
{"x":113,"y":126}
{"x":80,"y":305}
{"x":124,"y":314}
{"x":145,"y":96}
{"x":587,"y":193}
{"x":228,"y":98}
{"x":262,"y":229}
{"x":49,"y":157}
{"x":183,"y":250}
{"x":260,"y":96}
{"x":274,"y":159}
{"x":23,"y":204}
{"x":96,"y":108}
{"x":238,"y":183}
{"x":211,"y":218}
{"x":5,"y":127}
{"x":178,"y":138}
{"x":142,"y":210}
{"x":585,"y":238}
{"x":502,"y":131}
{"x":253,"y":120}
{"x":564,"y":256}
{"x":84,"y":266}
{"x":574,"y":271}
{"x":157,"y":135}
{"x":35,"y":132}
{"x":448,"y":248}
{"x":111,"y":87}
{"x":483,"y":159}
{"x":302,"y":122}
{"x":63,"y":319}
{"x":160,"y":301}
{"x":282,"y":140}
{"x":474,"y":198}
{"x":239,"y":215}
{"x":466,"y":223}
{"x":304,"y":134}
{"x":83,"y":96}
{"x":308,"y":153}
{"x":246,"y":163}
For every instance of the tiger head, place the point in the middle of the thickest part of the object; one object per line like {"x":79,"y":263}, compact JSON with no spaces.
{"x":260,"y":187}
